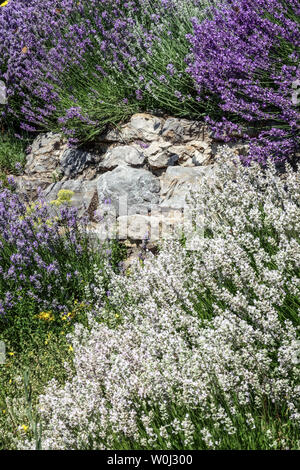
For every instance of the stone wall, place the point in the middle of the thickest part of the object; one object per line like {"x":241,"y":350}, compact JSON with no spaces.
{"x":135,"y":178}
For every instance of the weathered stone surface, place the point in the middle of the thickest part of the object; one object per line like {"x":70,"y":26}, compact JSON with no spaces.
{"x":182,"y":130}
{"x":141,"y":126}
{"x":136,"y":188}
{"x":176,"y":183}
{"x":138,"y":227}
{"x":122,"y":155}
{"x":193,"y":153}
{"x":147,"y":126}
{"x":44,"y":156}
{"x":162,"y":160}
{"x":28,"y":186}
{"x":84,"y":192}
{"x":156,"y":147}
{"x":74,"y":161}
{"x":122,"y":167}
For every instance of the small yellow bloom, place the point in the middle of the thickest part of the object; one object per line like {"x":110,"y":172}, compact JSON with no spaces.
{"x":63,"y":196}
{"x":4,"y":4}
{"x":11,"y":353}
{"x":117,"y":316}
{"x":24,"y":427}
{"x":3,"y":411}
{"x":46,"y":316}
{"x":49,"y":222}
{"x":70,"y":348}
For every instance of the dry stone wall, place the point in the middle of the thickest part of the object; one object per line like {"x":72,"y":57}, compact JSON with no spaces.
{"x":135,"y":177}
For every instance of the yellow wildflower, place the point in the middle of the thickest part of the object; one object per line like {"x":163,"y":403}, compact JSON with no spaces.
{"x":11,"y":353}
{"x":46,"y":316}
{"x":25,"y":427}
{"x":63,"y":196}
{"x":49,"y":222}
{"x":4,"y":4}
{"x":48,"y":338}
{"x":70,"y":348}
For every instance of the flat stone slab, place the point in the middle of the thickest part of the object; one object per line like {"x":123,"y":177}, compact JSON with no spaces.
{"x":122,"y":155}
{"x":177,"y":182}
{"x":137,"y":189}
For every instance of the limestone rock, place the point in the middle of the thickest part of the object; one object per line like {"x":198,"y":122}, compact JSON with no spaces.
{"x":122,"y":155}
{"x":44,"y":155}
{"x":176,"y":184}
{"x":137,"y":189}
{"x":74,"y":161}
{"x":137,"y":227}
{"x":162,"y":160}
{"x":146,"y":125}
{"x":183,"y":130}
{"x":141,"y":126}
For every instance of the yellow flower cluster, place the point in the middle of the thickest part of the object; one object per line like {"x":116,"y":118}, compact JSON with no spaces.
{"x":30,"y":209}
{"x":46,"y":316}
{"x":64,"y":196}
{"x":4,"y":4}
{"x":78,"y":307}
{"x":24,"y":427}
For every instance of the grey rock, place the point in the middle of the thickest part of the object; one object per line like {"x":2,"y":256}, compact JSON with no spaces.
{"x":29,"y":186}
{"x":193,"y":153}
{"x":162,"y":160}
{"x":44,"y":154}
{"x":74,"y":161}
{"x":137,"y":227}
{"x":156,"y":147}
{"x":177,"y":182}
{"x":128,"y":189}
{"x":147,"y":125}
{"x":46,"y":143}
{"x":142,"y":126}
{"x":122,"y":155}
{"x":182,"y":130}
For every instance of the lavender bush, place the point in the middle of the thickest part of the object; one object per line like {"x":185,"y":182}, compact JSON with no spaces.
{"x":80,"y":66}
{"x":75,"y":67}
{"x":244,"y":62}
{"x":45,"y":262}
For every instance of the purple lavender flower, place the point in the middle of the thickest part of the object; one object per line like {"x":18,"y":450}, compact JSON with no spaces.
{"x":244,"y":62}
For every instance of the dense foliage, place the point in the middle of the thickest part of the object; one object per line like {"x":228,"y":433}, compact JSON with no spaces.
{"x":247,"y":58}
{"x":45,"y":263}
{"x":195,"y":347}
{"x":198,"y":347}
{"x":78,"y":66}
